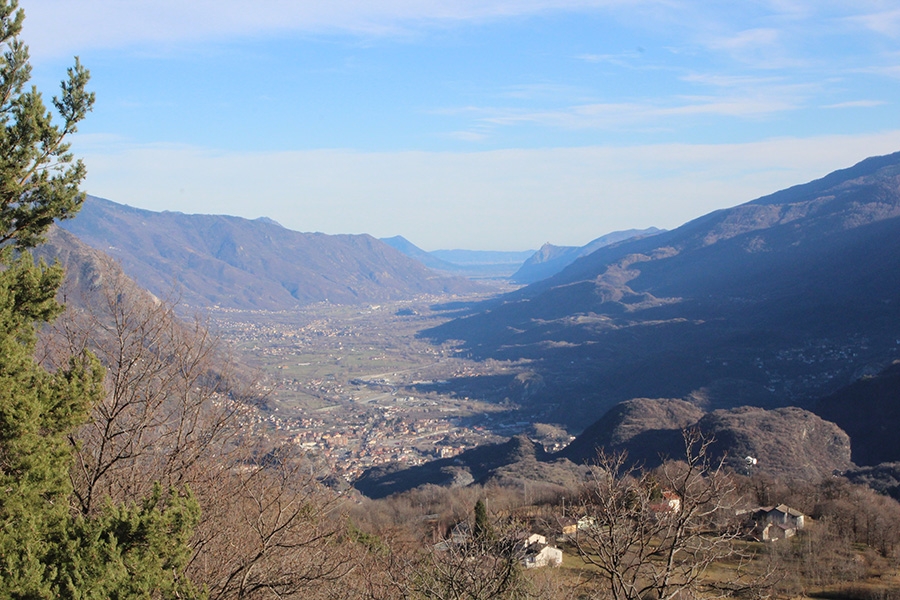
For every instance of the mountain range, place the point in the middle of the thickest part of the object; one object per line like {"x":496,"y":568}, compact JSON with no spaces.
{"x":791,"y":299}
{"x":550,"y":259}
{"x":776,"y":302}
{"x":216,"y":260}
{"x":523,"y":267}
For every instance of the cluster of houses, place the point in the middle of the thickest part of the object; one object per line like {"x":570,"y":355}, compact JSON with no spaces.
{"x":536,"y":552}
{"x":532,"y":549}
{"x":765,"y":523}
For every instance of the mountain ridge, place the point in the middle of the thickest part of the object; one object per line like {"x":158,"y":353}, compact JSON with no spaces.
{"x":765,"y":304}
{"x":238,"y":263}
{"x":550,"y":259}
{"x":788,"y":442}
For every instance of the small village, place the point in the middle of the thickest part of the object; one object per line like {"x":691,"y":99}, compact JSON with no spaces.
{"x":541,"y":539}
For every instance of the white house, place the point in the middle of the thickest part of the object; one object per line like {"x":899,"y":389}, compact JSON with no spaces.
{"x":538,"y":554}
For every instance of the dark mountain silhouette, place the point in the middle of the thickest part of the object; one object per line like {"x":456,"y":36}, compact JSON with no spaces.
{"x":868,"y":410}
{"x":239,"y":263}
{"x":550,"y":259}
{"x":771,"y":303}
{"x":787,"y":443}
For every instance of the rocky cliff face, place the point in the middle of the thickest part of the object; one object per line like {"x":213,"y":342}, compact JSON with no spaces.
{"x":787,"y":443}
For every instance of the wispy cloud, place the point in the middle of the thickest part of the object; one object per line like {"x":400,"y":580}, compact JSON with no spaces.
{"x":467,"y":136}
{"x":622,"y":59}
{"x":59,"y":26}
{"x":751,"y":39}
{"x":885,"y":22}
{"x":892,"y":71}
{"x":532,"y":91}
{"x":734,"y":81}
{"x":619,"y":116}
{"x":857,"y":104}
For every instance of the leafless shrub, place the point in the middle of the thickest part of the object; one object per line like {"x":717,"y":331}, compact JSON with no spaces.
{"x":656,"y":534}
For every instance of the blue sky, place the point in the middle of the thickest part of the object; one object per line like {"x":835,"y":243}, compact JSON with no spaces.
{"x":490,"y":124}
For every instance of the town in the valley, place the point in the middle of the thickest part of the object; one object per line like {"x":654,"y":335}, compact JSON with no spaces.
{"x":354,"y":387}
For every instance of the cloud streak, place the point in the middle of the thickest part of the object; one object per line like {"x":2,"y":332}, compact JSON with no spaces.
{"x":62,"y":26}
{"x":59,"y":26}
{"x":620,"y":116}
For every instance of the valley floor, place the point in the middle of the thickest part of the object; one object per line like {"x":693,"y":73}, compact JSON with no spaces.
{"x":355,"y":387}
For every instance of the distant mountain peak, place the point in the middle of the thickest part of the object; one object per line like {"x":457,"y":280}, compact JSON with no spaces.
{"x":551,"y":259}
{"x":268,"y":221}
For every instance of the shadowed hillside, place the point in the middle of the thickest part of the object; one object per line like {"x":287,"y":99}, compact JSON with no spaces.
{"x":771,"y":303}
{"x":518,"y":460}
{"x":869,"y":410}
{"x":644,"y":428}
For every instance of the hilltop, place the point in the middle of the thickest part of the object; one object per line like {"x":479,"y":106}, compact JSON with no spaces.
{"x":787,"y":442}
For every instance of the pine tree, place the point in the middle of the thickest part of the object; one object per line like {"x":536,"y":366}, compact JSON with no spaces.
{"x":47,"y":550}
{"x":482,"y":532}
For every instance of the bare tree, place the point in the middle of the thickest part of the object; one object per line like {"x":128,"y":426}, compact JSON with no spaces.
{"x":469,"y":564}
{"x":470,"y":570}
{"x":655,"y":534}
{"x":167,"y":406}
{"x":172,"y":415}
{"x":272,"y":531}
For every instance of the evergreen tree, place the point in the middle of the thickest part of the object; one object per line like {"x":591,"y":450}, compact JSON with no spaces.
{"x":46,"y":549}
{"x":482,"y":532}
